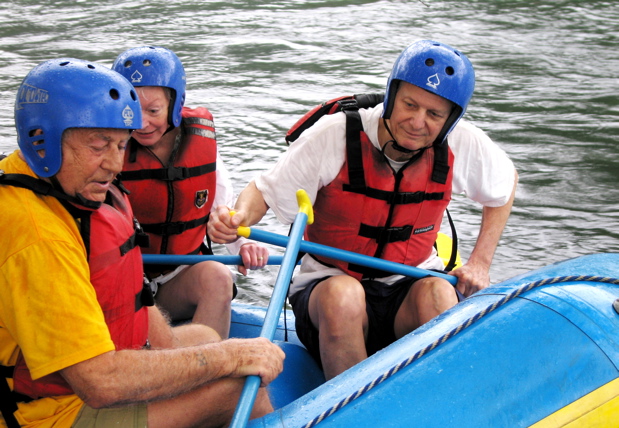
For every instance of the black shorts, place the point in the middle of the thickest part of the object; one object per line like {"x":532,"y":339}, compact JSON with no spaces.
{"x":382,"y":305}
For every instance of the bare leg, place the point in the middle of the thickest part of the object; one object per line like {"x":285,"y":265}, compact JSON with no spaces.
{"x":202,"y":292}
{"x":212,"y":405}
{"x":427,"y":298}
{"x":162,"y":336}
{"x":337,"y":309}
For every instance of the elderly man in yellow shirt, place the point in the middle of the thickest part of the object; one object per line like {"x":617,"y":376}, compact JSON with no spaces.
{"x":67,"y":360}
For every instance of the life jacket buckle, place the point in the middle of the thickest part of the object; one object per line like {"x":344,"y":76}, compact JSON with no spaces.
{"x":348,"y":104}
{"x":176,"y":173}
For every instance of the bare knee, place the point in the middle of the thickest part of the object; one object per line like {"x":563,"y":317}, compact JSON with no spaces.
{"x":338,"y":299}
{"x":262,"y":405}
{"x":195,"y":334}
{"x":215,"y":278}
{"x":436,"y":295}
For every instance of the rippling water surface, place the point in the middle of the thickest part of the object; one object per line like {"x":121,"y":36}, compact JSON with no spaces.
{"x":547,"y":90}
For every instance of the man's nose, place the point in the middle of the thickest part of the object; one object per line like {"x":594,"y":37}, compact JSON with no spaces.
{"x":418,"y":119}
{"x":114,"y":160}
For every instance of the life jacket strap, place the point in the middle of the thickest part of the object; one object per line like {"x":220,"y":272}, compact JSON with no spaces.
{"x":144,"y":297}
{"x":138,"y":239}
{"x":9,"y":399}
{"x":174,"y":228}
{"x":172,"y":173}
{"x":44,"y":188}
{"x":385,"y":235}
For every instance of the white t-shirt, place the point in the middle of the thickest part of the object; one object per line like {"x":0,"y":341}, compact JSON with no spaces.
{"x":224,"y":195}
{"x":482,"y":171}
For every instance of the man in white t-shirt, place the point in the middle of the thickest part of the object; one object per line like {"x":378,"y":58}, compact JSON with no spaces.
{"x":380,"y":180}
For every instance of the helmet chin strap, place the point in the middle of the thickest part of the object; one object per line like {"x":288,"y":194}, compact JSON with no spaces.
{"x":395,"y":144}
{"x":77,"y":199}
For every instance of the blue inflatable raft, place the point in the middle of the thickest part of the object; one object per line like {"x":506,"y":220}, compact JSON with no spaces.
{"x":541,"y":349}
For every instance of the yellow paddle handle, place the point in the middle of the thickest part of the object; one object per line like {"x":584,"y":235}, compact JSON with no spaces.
{"x":305,"y":206}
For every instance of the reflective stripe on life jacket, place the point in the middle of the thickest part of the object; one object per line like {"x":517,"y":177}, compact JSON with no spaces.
{"x":173,"y":202}
{"x":109,"y":233}
{"x":395,"y":216}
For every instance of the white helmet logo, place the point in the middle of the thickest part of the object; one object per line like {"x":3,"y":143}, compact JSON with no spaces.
{"x":29,"y":94}
{"x":136,"y":77}
{"x":128,"y":116}
{"x":433,"y":81}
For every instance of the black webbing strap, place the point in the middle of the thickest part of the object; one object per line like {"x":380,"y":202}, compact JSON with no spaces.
{"x":44,"y":188}
{"x":174,"y":228}
{"x":396,"y":198}
{"x":385,"y":235}
{"x":144,"y":297}
{"x":8,"y":406}
{"x":169,"y":174}
{"x":8,"y":398}
{"x":137,"y":239}
{"x":441,"y":163}
{"x":454,"y":244}
{"x":356,"y":175}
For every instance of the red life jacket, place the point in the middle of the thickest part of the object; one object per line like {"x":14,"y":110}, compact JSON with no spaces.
{"x":173,"y":202}
{"x":395,"y":216}
{"x":111,"y":239}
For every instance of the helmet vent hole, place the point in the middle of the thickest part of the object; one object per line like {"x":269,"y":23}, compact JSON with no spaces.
{"x":62,"y":64}
{"x":92,"y":67}
{"x":128,"y":63}
{"x":114,"y":94}
{"x":430,"y":62}
{"x":450,"y":71}
{"x":146,"y":62}
{"x":134,"y":96}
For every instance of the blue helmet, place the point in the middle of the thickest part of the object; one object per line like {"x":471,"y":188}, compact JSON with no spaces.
{"x":155,"y":66}
{"x":69,"y":93}
{"x":437,"y":68}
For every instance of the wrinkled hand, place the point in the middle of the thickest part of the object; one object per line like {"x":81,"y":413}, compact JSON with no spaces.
{"x":471,"y":278}
{"x":222,"y":226}
{"x":254,"y":256}
{"x":258,"y":357}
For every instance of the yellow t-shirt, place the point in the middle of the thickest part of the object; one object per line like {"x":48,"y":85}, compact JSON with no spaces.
{"x":48,"y":307}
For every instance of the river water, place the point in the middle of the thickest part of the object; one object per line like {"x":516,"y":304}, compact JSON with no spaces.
{"x":547,"y":91}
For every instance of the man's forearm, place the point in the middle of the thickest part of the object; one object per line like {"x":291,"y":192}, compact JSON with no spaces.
{"x":132,"y":376}
{"x":493,"y":223}
{"x":252,"y":204}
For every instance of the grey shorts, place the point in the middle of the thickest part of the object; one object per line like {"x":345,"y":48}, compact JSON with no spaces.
{"x":128,"y":416}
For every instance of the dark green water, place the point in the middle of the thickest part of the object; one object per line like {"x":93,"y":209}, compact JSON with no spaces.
{"x":547,"y":90}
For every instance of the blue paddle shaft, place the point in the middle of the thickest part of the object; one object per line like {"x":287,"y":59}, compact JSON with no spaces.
{"x":173,"y":259}
{"x":280,"y":290}
{"x":350,"y":257}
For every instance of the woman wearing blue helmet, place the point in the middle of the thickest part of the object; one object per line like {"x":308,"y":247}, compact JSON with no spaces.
{"x":76,"y":323}
{"x":381,"y":179}
{"x":175,"y":175}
